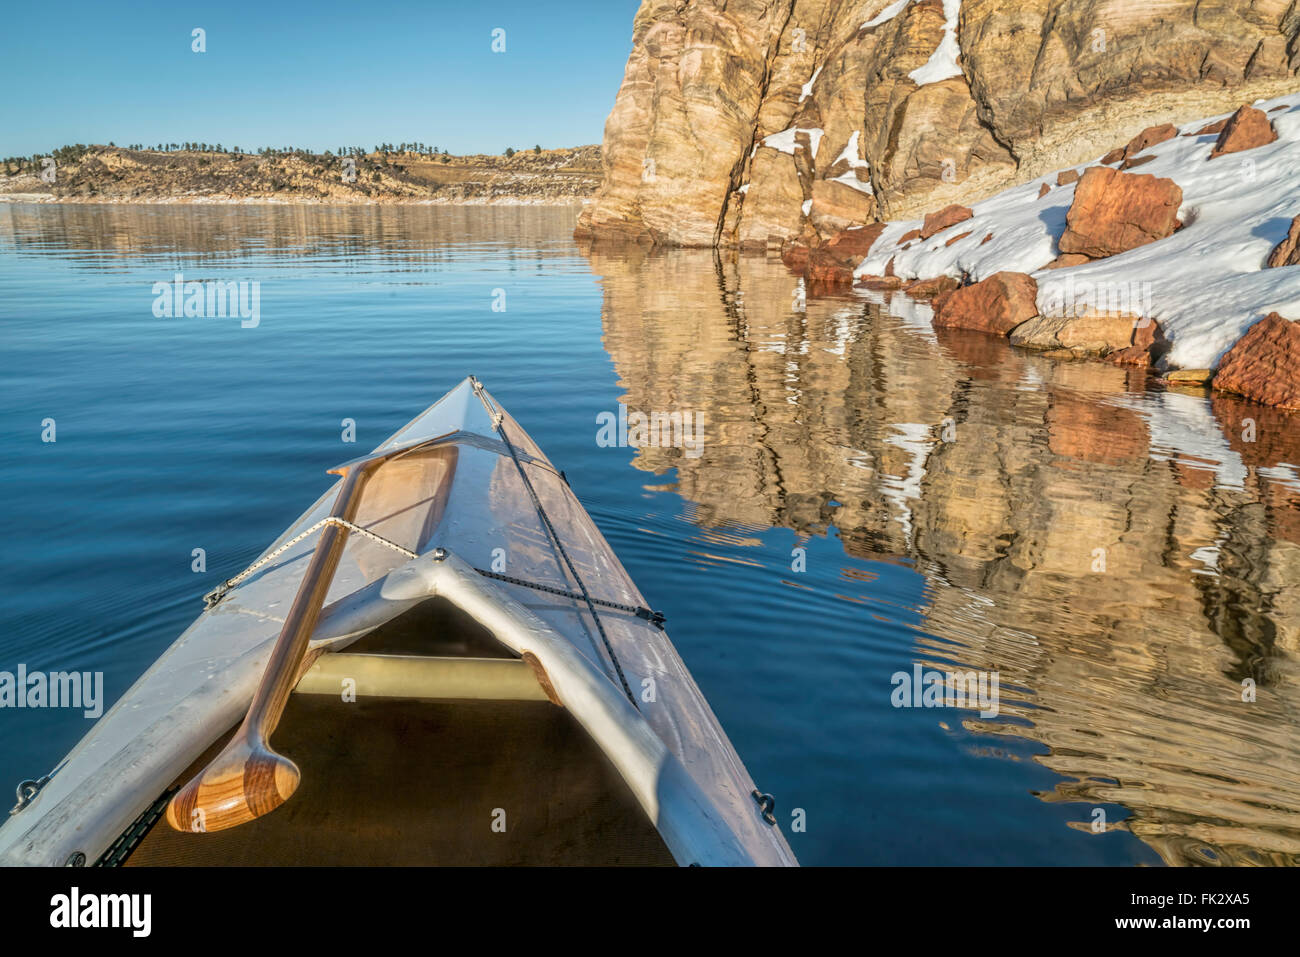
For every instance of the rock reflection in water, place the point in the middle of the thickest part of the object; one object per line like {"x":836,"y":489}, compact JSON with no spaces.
{"x":1130,"y":559}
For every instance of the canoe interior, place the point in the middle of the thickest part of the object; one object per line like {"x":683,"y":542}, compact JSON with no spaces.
{"x":419,"y":781}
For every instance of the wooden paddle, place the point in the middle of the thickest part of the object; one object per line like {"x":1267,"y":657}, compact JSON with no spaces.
{"x":248,"y":779}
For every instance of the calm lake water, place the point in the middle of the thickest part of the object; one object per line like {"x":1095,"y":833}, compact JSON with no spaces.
{"x":869,"y":498}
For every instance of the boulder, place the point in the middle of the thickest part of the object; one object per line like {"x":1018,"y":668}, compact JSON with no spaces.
{"x":1149,"y":344}
{"x":1114,"y":212}
{"x":1114,"y":156}
{"x":880,"y":283}
{"x":942,"y":219}
{"x":1244,"y":130}
{"x":1264,"y":365}
{"x":1066,"y":260}
{"x":826,"y":267}
{"x":1092,"y":334}
{"x":833,"y":261}
{"x":1210,"y":129}
{"x":930,"y":288}
{"x":1190,"y":377}
{"x":856,"y":241}
{"x":994,"y":305}
{"x":1043,"y":190}
{"x":1287,"y":252}
{"x":1150,"y":137}
{"x":908,"y":236}
{"x":1066,"y":177}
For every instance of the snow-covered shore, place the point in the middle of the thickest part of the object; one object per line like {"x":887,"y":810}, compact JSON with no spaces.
{"x":1208,"y":281}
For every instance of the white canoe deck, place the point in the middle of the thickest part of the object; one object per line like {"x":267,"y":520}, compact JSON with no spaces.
{"x":465,"y":496}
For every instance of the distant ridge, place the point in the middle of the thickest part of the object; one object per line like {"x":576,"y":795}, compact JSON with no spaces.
{"x":111,"y":174}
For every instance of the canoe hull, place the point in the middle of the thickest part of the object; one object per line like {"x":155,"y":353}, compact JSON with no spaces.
{"x":466,"y":498}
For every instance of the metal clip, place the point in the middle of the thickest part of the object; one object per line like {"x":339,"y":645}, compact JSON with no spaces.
{"x":655,"y":618}
{"x":213,"y":598}
{"x":766,"y":804}
{"x":27,"y":790}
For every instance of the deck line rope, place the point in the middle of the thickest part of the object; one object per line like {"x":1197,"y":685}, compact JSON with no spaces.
{"x":497,"y":421}
{"x":212,"y":598}
{"x":655,"y":618}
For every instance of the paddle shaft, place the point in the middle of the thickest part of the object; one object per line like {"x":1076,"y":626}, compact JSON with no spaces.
{"x":282,"y":668}
{"x":248,"y":779}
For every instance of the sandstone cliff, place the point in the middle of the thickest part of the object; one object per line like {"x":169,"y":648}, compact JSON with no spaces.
{"x":748,"y":122}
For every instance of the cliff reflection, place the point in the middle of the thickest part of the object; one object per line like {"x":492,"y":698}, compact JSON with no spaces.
{"x":1130,"y":558}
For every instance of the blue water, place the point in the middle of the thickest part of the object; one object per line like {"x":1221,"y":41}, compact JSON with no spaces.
{"x":175,"y":434}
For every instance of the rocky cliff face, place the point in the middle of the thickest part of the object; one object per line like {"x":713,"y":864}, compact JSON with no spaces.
{"x":748,"y":122}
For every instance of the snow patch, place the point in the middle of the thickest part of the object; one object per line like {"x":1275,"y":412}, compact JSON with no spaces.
{"x":850,"y":179}
{"x":850,"y":155}
{"x":943,"y":62}
{"x":807,"y":87}
{"x":784,"y":141}
{"x":885,"y":15}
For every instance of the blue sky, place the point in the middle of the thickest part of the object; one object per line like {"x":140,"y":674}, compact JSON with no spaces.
{"x":316,"y":75}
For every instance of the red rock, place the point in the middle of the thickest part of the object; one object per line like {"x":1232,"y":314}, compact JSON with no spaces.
{"x":1043,"y":190}
{"x":889,"y":267}
{"x":995,"y":305}
{"x":1209,"y":129}
{"x":941,"y":220}
{"x":1276,"y":108}
{"x":955,"y":238}
{"x":1150,"y":137}
{"x":908,"y":236}
{"x":1114,"y":212}
{"x":986,"y":239}
{"x":832,"y":262}
{"x":826,"y":267}
{"x":1245,"y":129}
{"x":1114,"y":156}
{"x":855,"y":243}
{"x":881,"y":283}
{"x":930,"y":288}
{"x":1066,"y":260}
{"x":1066,"y":177}
{"x":1148,"y":343}
{"x":1287,"y":252}
{"x":1137,"y":161}
{"x":795,"y":256}
{"x":1264,"y":365}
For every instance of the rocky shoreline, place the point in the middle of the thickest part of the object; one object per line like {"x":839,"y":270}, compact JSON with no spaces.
{"x":1199,"y":285}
